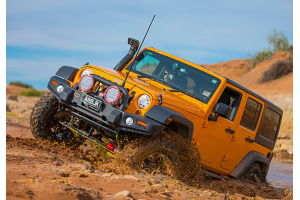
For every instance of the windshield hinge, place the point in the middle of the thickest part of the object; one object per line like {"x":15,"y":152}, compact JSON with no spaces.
{"x":159,"y":99}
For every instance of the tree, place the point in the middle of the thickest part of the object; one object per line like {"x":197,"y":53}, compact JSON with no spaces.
{"x":278,"y":41}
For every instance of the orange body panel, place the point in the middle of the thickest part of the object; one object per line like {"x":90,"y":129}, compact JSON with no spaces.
{"x":220,"y":150}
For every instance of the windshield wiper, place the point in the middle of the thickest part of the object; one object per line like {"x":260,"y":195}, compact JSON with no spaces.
{"x":155,"y":79}
{"x":187,"y":93}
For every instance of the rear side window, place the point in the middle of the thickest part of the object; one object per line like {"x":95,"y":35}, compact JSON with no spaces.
{"x":269,"y":124}
{"x":251,"y":114}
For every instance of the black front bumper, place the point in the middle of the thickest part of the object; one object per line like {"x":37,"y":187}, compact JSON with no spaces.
{"x":111,"y":118}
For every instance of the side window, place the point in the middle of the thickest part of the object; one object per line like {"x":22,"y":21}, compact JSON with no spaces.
{"x":232,"y":99}
{"x":251,"y":114}
{"x":269,"y":124}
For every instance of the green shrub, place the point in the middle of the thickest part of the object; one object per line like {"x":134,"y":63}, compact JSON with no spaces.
{"x":277,"y":70}
{"x":20,"y":84}
{"x":278,"y":41}
{"x":263,"y":55}
{"x":32,"y":93}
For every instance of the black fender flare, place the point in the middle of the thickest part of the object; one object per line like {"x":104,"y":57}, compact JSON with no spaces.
{"x":161,"y":114}
{"x":67,"y":72}
{"x":247,"y":161}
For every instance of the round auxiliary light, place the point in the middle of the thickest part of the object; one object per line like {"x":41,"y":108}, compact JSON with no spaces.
{"x":129,"y":121}
{"x":86,"y":82}
{"x":112,"y":94}
{"x":144,"y":101}
{"x":86,"y":72}
{"x":60,"y":89}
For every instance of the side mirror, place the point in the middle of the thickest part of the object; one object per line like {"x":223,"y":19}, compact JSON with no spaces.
{"x":222,"y":110}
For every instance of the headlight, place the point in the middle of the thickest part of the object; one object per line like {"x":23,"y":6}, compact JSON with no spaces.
{"x":112,"y":94}
{"x":144,"y":101}
{"x":86,"y":82}
{"x":86,"y":72}
{"x":60,"y":89}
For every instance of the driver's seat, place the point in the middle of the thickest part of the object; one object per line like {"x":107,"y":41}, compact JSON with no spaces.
{"x":182,"y":82}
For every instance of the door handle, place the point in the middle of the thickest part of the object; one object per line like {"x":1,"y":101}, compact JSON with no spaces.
{"x":230,"y":131}
{"x":249,"y":140}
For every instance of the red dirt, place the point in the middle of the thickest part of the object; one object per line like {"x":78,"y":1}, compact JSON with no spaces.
{"x":42,"y":170}
{"x":231,"y":69}
{"x":12,"y":89}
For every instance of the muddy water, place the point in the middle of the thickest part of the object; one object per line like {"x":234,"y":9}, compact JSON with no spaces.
{"x":281,"y":173}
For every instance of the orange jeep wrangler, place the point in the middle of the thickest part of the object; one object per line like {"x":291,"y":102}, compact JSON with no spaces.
{"x":234,"y":128}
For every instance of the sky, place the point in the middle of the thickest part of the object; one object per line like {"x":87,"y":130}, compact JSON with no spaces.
{"x":42,"y":36}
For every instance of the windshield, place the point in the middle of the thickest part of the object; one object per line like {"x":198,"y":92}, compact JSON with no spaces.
{"x":175,"y":74}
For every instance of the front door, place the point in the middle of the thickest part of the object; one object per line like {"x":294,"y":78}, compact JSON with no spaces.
{"x":215,"y":138}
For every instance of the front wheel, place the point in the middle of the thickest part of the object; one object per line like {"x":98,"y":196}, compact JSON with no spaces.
{"x":153,"y":156}
{"x":44,"y":122}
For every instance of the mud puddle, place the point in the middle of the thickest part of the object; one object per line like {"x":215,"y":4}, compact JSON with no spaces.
{"x":280,"y":174}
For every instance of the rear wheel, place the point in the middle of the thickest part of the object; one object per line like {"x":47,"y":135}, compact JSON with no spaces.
{"x":255,"y":173}
{"x":44,"y":122}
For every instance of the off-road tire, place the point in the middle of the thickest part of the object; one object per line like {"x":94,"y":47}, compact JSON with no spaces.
{"x":255,"y":173}
{"x":154,"y":155}
{"x":44,"y":121}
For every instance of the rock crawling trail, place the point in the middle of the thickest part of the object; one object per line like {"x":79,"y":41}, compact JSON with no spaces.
{"x":42,"y":170}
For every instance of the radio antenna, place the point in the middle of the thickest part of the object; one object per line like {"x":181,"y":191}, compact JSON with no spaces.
{"x":137,"y":53}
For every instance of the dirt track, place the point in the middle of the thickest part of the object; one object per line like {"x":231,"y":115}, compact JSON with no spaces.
{"x":40,"y":170}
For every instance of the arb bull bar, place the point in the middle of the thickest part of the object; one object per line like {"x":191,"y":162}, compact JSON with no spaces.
{"x":111,"y":118}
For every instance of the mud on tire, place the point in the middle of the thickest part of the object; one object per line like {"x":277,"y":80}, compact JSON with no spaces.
{"x":255,"y":173}
{"x":44,"y":122}
{"x":154,"y":155}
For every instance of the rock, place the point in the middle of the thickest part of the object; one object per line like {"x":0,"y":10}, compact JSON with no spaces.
{"x":160,"y":185}
{"x":27,"y":191}
{"x":65,"y":174}
{"x":13,"y":97}
{"x":124,"y":193}
{"x":97,"y":188}
{"x":151,"y":190}
{"x":154,"y":181}
{"x":143,"y":192}
{"x":223,"y":197}
{"x":168,"y":191}
{"x":107,"y":175}
{"x":115,"y":178}
{"x":68,"y":188}
{"x":56,"y":163}
{"x":84,"y":195}
{"x":7,"y":108}
{"x":130,"y":177}
{"x":82,"y":175}
{"x":165,"y":196}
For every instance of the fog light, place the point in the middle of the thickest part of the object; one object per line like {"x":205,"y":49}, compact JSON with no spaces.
{"x":129,"y":121}
{"x":60,"y":89}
